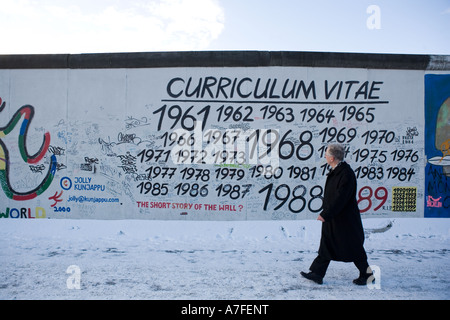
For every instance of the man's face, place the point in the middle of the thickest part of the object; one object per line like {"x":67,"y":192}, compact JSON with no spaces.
{"x":329,"y":157}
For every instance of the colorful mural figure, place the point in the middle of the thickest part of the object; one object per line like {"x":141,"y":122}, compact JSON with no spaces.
{"x":437,"y":145}
{"x":27,"y":112}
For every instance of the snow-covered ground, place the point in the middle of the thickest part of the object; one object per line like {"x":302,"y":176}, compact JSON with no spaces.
{"x":232,"y":260}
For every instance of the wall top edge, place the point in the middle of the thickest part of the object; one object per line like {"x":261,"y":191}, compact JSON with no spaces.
{"x":188,"y":59}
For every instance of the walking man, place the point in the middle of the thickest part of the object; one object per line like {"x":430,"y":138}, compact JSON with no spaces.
{"x":342,"y":235}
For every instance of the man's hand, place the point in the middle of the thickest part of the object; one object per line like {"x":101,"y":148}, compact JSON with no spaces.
{"x":320,"y":218}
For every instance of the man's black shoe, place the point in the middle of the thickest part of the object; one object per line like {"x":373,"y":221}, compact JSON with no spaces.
{"x":313,"y":277}
{"x":363,"y":279}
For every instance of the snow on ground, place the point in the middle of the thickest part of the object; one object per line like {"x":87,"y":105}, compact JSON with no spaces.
{"x":232,"y":260}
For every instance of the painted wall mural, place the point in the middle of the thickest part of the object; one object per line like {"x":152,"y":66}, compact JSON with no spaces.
{"x":437,"y":146}
{"x":211,"y":143}
{"x":27,"y":113}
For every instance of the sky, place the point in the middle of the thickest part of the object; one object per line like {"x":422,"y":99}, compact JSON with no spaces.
{"x":94,"y":26}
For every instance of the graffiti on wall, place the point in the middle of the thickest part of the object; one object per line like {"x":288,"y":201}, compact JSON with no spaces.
{"x":241,"y":143}
{"x":437,"y":145}
{"x":27,"y":113}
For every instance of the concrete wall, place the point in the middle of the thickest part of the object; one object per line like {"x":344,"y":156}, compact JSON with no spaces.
{"x":220,"y":135}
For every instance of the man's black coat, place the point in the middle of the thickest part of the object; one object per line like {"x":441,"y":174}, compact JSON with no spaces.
{"x":342,"y":232}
